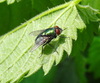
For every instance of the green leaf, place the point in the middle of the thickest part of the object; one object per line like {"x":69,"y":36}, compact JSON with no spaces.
{"x":4,"y":20}
{"x":94,"y":58}
{"x":88,"y":13}
{"x":36,"y":4}
{"x":56,"y":2}
{"x":9,"y":1}
{"x":38,"y":77}
{"x":2,"y":1}
{"x":95,"y":4}
{"x":80,"y":63}
{"x":16,"y":60}
{"x":71,"y":70}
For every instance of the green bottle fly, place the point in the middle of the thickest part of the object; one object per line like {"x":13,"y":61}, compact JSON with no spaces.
{"x":45,"y":36}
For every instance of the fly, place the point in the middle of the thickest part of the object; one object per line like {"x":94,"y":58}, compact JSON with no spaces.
{"x":45,"y":36}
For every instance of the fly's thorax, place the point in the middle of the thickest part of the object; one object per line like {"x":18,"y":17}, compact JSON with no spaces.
{"x":50,"y":31}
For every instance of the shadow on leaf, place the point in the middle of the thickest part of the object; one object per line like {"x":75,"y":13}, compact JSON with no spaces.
{"x":53,"y":45}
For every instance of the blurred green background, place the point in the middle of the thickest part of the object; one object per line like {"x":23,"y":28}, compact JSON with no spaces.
{"x":83,"y":64}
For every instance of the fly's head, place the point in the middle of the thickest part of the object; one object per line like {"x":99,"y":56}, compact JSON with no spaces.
{"x":57,"y":30}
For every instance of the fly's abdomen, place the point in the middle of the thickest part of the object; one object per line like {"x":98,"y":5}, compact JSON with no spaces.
{"x":38,"y":39}
{"x":42,"y":40}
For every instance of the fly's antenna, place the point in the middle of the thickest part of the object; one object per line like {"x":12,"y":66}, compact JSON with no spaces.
{"x":65,"y":28}
{"x":63,"y":36}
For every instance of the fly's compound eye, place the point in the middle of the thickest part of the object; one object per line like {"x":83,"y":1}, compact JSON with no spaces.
{"x":58,"y":31}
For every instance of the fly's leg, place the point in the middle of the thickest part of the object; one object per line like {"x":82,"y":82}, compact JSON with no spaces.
{"x":63,"y":37}
{"x":42,"y":50}
{"x":54,"y":48}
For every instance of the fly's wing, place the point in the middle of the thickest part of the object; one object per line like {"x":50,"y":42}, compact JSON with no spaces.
{"x":40,"y":41}
{"x":35,"y":47}
{"x":36,"y":33}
